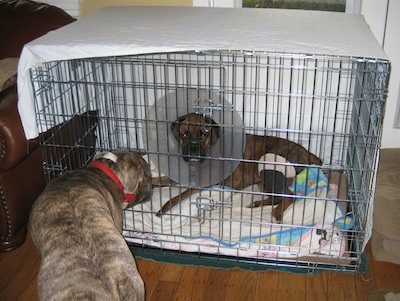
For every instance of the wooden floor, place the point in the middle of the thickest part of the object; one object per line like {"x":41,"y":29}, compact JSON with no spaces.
{"x":19,"y":268}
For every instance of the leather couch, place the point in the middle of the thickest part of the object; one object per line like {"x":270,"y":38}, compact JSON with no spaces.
{"x":21,"y":171}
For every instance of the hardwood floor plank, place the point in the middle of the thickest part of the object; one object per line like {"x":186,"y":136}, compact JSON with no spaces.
{"x":165,"y":290}
{"x":267,"y":283}
{"x":217,"y":285}
{"x":291,"y":287}
{"x":317,"y":287}
{"x":241,"y":285}
{"x":192,"y":283}
{"x":387,"y":275}
{"x":172,"y":272}
{"x":13,"y":262}
{"x":150,"y":272}
{"x":363,"y":286}
{"x":31,"y":292}
{"x":341,"y":286}
{"x":20,"y":282}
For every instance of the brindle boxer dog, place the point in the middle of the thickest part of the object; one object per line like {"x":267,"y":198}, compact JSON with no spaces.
{"x":195,"y":135}
{"x":76,"y":225}
{"x":190,"y":132}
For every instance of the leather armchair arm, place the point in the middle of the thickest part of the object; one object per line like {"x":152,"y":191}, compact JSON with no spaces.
{"x":14,"y":147}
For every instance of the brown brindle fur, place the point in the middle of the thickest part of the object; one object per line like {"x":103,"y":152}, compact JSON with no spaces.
{"x":246,"y":173}
{"x":76,"y":225}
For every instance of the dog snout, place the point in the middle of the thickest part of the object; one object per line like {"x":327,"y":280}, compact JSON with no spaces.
{"x":195,"y":146}
{"x":193,"y":151}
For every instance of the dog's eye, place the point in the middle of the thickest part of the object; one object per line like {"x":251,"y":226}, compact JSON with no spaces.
{"x":203,"y":135}
{"x":184,"y":134}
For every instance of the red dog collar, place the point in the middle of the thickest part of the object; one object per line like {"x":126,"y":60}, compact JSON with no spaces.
{"x":127,"y":197}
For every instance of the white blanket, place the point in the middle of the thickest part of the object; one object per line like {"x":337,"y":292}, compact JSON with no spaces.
{"x":311,"y":225}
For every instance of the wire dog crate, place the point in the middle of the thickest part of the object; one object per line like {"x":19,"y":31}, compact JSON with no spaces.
{"x":332,"y":106}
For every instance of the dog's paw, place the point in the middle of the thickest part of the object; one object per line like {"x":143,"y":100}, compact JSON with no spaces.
{"x":277,"y":213}
{"x":260,"y":203}
{"x":255,"y":204}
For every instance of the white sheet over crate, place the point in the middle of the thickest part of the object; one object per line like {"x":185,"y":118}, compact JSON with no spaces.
{"x":116,"y":31}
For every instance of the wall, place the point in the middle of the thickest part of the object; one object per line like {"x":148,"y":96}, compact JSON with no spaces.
{"x":80,"y":8}
{"x":386,"y":31}
{"x":70,"y":6}
{"x":87,"y":6}
{"x":218,"y":3}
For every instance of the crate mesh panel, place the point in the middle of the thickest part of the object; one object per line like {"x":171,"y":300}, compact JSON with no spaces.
{"x":332,"y":106}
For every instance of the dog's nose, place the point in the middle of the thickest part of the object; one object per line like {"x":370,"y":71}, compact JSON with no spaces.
{"x":194,"y":146}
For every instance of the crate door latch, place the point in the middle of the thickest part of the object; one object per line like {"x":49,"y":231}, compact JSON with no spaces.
{"x":204,"y":204}
{"x":205,"y":107}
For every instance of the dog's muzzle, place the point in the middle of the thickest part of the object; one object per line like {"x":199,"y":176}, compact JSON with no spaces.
{"x":194,"y":152}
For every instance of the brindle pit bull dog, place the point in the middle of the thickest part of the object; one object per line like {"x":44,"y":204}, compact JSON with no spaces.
{"x":196,"y":134}
{"x":76,"y":225}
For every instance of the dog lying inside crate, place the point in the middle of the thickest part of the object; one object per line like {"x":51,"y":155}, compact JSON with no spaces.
{"x":196,"y":133}
{"x":76,"y":224}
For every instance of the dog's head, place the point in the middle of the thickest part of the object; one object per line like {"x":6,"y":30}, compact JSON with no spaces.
{"x":195,"y":134}
{"x":132,"y":171}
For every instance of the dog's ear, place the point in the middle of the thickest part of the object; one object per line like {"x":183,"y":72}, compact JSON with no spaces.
{"x":106,"y":155}
{"x":214,"y":130}
{"x":175,"y":126}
